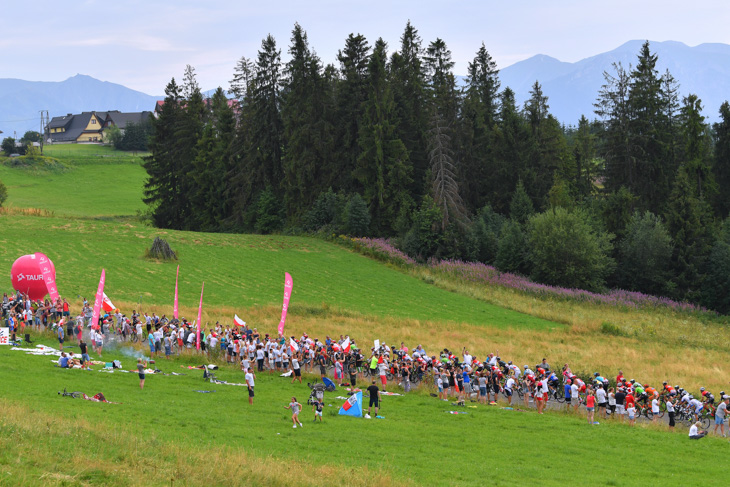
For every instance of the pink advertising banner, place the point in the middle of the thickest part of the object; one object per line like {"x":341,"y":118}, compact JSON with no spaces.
{"x":200,"y":312}
{"x":98,"y":300}
{"x":174,"y":307}
{"x":45,"y":266}
{"x":288,"y":284}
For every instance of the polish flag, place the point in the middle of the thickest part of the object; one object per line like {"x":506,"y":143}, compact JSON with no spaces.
{"x":351,"y":401}
{"x":293,"y":345}
{"x":107,"y":304}
{"x":346,"y":345}
{"x":238,"y":321}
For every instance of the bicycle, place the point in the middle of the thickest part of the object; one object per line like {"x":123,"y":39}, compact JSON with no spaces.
{"x":75,"y":394}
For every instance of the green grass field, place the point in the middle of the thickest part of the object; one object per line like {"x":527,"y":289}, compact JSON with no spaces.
{"x":238,"y":270}
{"x":507,"y":447}
{"x":98,"y":181}
{"x":168,"y":434}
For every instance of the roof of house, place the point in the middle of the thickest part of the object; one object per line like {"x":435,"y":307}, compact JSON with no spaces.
{"x":121,"y":119}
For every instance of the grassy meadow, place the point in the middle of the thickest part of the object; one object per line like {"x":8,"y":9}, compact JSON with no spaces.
{"x":168,"y":434}
{"x":95,"y":181}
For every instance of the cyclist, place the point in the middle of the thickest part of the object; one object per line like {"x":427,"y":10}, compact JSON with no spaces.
{"x":651,"y":392}
{"x":707,"y":397}
{"x":640,"y":394}
{"x":697,"y":406}
{"x":528,"y":371}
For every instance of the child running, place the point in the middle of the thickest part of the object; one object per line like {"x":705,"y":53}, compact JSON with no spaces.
{"x":317,"y":407}
{"x":295,"y":408}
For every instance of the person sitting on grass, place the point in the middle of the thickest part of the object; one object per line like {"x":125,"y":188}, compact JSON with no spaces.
{"x":295,"y":408}
{"x":695,"y":433}
{"x":63,"y":361}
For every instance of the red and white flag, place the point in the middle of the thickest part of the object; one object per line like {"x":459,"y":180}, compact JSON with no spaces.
{"x":107,"y":304}
{"x":293,"y":345}
{"x":238,"y":321}
{"x":346,"y":345}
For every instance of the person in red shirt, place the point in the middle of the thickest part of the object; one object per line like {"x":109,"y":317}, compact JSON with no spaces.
{"x":630,"y":398}
{"x":620,"y":377}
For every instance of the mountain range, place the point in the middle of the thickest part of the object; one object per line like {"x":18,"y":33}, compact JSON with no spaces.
{"x":572,"y":88}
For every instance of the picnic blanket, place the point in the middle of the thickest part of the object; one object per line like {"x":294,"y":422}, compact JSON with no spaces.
{"x":387,"y":393}
{"x":457,"y":412}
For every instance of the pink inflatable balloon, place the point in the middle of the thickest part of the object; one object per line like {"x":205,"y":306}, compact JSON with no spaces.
{"x":27,"y":278}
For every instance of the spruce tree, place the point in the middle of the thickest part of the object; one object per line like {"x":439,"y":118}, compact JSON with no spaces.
{"x":351,"y":97}
{"x":212,"y":165}
{"x":308,"y":131}
{"x":721,"y":166}
{"x":696,"y":153}
{"x":408,"y":82}
{"x":475,"y":129}
{"x":383,"y":169}
{"x":690,"y":226}
{"x":165,"y":189}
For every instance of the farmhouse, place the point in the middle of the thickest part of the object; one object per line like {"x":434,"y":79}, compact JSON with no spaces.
{"x":88,"y":127}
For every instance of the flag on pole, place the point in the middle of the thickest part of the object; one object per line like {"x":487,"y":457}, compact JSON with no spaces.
{"x":238,"y":321}
{"x":353,"y":406}
{"x":107,"y":304}
{"x":288,"y":284}
{"x":174,"y":306}
{"x":45,"y":266}
{"x":293,"y":345}
{"x":200,"y":312}
{"x":99,"y":298}
{"x":346,"y":345}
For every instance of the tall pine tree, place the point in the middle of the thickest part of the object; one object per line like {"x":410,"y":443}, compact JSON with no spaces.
{"x":383,"y":169}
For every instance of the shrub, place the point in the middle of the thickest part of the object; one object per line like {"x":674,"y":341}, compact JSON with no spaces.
{"x":565,"y":250}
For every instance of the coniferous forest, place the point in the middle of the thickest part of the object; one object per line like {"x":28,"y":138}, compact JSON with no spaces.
{"x":634,"y":196}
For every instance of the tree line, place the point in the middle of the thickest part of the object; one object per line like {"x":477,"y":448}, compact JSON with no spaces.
{"x":392,"y":146}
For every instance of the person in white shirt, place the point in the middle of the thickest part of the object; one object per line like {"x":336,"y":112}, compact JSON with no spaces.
{"x":508,"y":389}
{"x":695,"y":433}
{"x":575,"y":396}
{"x":601,"y":399}
{"x":467,"y":357}
{"x":250,"y":377}
{"x":654,"y":408}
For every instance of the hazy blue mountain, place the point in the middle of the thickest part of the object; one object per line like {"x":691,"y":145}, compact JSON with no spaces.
{"x":572,"y":88}
{"x":21,"y":101}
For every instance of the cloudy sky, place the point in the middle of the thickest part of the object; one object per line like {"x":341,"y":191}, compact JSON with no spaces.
{"x":143,"y":43}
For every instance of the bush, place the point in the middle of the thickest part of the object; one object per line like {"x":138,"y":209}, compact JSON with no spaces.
{"x":565,"y":250}
{"x":269,"y":213}
{"x":512,"y":250}
{"x":3,"y":193}
{"x":358,"y":218}
{"x":645,"y":253}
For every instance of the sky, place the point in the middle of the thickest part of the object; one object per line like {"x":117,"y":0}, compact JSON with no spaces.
{"x":142,"y":44}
